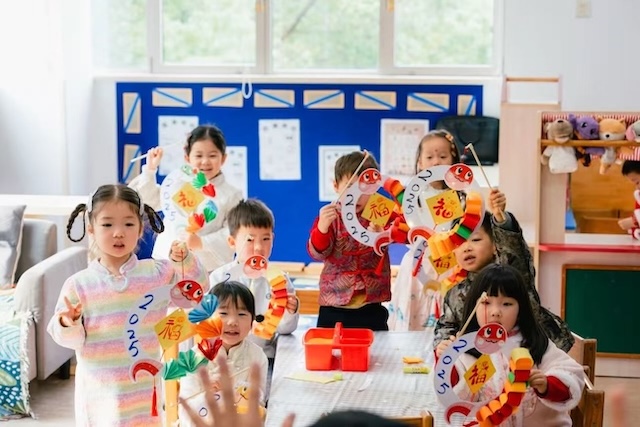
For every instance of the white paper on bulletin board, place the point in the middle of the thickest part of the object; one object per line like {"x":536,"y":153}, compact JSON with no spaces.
{"x":173,"y":132}
{"x":399,"y":141}
{"x":279,"y":150}
{"x":235,"y":169}
{"x":327,"y":156}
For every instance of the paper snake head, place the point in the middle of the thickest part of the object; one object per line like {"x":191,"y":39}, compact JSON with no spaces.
{"x":490,"y":338}
{"x":255,"y":266}
{"x":369,"y":181}
{"x":458,"y":177}
{"x":190,"y":290}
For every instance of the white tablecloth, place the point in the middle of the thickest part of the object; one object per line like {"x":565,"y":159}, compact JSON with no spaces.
{"x":383,"y":389}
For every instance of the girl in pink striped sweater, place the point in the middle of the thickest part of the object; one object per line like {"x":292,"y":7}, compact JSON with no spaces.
{"x":93,"y":313}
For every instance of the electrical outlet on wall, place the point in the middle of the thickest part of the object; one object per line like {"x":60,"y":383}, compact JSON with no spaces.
{"x":583,"y":8}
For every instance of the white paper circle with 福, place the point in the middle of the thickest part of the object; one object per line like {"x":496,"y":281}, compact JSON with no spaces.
{"x":414,"y":206}
{"x":187,"y":199}
{"x":368,"y":183}
{"x":417,"y":214}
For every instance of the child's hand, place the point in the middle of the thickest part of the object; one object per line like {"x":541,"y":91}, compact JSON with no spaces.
{"x":538,"y":380}
{"x":626,"y":223}
{"x":497,"y":202}
{"x":194,"y":242}
{"x":328,"y":214}
{"x":179,"y":251}
{"x":292,"y":304}
{"x":154,"y":155}
{"x":444,"y":345}
{"x":225,"y":414}
{"x":71,"y":314}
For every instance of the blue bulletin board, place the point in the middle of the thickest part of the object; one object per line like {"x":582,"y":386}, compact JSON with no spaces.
{"x":329,"y":114}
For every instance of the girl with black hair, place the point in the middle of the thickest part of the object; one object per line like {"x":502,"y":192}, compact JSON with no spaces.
{"x":237,"y":311}
{"x":556,"y":380}
{"x":205,"y":150}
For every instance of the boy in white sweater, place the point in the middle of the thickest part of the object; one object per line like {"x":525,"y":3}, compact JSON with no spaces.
{"x":251,"y":225}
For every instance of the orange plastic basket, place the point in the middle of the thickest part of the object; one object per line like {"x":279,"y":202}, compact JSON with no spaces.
{"x":353,"y":345}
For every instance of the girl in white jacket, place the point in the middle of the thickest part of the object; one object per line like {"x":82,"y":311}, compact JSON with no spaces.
{"x":205,"y":150}
{"x":556,"y":380}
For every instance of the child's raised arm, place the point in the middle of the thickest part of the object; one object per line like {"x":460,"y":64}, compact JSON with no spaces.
{"x":187,"y":266}
{"x":145,"y":183}
{"x":65,"y":326}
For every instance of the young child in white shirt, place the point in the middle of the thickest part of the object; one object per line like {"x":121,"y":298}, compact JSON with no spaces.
{"x":204,"y":150}
{"x":236,"y":309}
{"x":251,"y":225}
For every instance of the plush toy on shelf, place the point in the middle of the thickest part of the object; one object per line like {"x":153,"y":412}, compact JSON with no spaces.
{"x":633,"y":132}
{"x":560,"y":159}
{"x":633,"y":135}
{"x":586,"y":127}
{"x":610,"y":130}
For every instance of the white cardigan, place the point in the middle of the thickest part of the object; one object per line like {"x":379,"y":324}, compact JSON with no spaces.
{"x":534,"y":411}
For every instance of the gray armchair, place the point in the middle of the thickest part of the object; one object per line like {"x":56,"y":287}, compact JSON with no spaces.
{"x":41,"y":272}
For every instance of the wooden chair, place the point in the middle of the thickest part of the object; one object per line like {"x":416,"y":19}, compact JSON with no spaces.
{"x":424,"y":420}
{"x":590,"y":410}
{"x":584,"y":352}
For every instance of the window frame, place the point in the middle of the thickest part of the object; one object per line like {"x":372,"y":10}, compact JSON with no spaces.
{"x":264,"y":60}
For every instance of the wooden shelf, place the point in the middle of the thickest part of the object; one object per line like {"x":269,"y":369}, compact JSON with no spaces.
{"x":589,"y":143}
{"x":587,"y":242}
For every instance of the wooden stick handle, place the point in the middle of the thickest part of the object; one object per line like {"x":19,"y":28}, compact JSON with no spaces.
{"x":501,"y":217}
{"x":352,"y":177}
{"x":464,"y":327}
{"x":144,"y":156}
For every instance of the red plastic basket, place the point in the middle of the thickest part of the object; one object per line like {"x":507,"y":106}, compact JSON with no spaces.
{"x":353,"y":344}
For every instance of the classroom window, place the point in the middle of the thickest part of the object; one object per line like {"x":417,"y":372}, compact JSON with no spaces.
{"x":438,"y":37}
{"x":208,"y":32}
{"x":325,"y":34}
{"x":443,"y":33}
{"x":119,"y":34}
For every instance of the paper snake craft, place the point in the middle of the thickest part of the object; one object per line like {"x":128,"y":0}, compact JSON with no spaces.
{"x":161,"y":296}
{"x":425,"y":237}
{"x":369,"y":181}
{"x":253,"y":268}
{"x":489,"y":339}
{"x":188,"y":197}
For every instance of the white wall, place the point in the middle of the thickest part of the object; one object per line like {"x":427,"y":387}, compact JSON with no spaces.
{"x":31,"y":100}
{"x":596,"y":57}
{"x":58,"y":124}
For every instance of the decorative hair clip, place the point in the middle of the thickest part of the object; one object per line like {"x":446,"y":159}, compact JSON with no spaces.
{"x":448,"y":136}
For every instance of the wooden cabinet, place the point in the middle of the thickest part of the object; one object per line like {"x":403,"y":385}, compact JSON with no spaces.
{"x":592,"y":195}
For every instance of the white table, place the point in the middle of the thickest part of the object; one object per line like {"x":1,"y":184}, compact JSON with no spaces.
{"x":390,"y":392}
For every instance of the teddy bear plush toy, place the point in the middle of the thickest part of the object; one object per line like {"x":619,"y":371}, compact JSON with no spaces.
{"x":631,"y":224}
{"x":610,"y":130}
{"x":560,"y":159}
{"x":586,"y":127}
